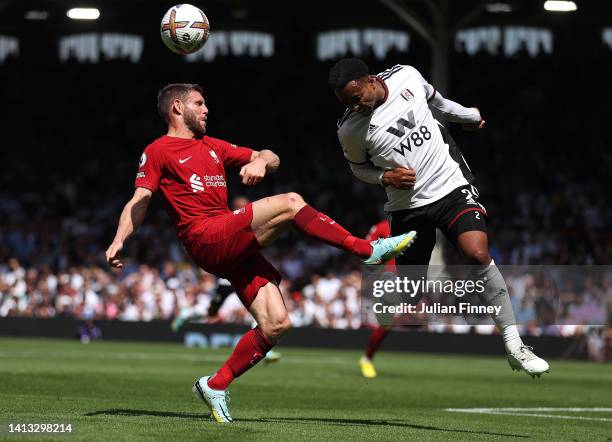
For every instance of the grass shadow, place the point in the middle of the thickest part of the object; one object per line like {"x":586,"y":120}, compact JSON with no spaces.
{"x":375,"y":422}
{"x":300,"y":420}
{"x":154,"y":413}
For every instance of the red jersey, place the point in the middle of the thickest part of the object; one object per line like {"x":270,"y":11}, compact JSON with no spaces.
{"x":190,"y":173}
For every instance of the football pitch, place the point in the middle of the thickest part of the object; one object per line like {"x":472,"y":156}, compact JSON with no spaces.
{"x":129,"y":391}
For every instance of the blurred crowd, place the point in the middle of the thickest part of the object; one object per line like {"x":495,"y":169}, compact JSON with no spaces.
{"x":561,"y":301}
{"x":77,"y":131}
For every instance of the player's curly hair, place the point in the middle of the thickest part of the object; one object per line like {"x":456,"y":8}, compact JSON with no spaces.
{"x":345,"y":70}
{"x":171,"y":92}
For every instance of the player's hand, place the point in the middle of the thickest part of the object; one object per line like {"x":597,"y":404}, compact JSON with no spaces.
{"x":475,"y":126}
{"x":112,"y":255}
{"x":253,"y":172}
{"x":400,"y":178}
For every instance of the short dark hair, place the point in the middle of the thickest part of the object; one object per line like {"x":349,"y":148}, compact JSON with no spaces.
{"x":174,"y":91}
{"x":345,"y":70}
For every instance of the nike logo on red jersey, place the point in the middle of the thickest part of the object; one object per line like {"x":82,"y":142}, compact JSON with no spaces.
{"x":186,"y":159}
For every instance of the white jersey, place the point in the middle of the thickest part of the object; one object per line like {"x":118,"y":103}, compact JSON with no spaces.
{"x":402,"y":132}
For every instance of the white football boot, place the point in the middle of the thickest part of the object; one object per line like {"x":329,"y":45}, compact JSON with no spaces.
{"x":525,"y":359}
{"x":215,"y":400}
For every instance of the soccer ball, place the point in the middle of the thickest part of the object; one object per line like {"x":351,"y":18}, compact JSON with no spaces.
{"x":184,"y":29}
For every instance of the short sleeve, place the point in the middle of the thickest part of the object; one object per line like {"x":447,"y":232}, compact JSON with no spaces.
{"x":231,"y":154}
{"x":149,"y":169}
{"x":354,"y":150}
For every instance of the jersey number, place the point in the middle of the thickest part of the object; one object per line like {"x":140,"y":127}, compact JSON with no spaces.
{"x":471,"y":197}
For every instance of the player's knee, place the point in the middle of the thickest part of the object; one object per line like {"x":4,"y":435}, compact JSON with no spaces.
{"x":478,"y":256}
{"x":285,"y":325}
{"x":282,"y":326}
{"x":277,"y":327}
{"x":294,"y":202}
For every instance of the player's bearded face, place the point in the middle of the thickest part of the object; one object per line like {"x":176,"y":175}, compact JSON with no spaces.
{"x":194,"y":122}
{"x":195,"y":114}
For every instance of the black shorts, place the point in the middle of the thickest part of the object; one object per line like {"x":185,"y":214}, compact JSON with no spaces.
{"x":456,"y":213}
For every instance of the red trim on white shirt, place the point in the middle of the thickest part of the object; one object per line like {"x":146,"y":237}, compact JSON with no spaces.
{"x":382,"y":82}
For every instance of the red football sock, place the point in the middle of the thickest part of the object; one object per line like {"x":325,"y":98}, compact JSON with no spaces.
{"x":251,"y":349}
{"x":319,"y":226}
{"x":375,"y":340}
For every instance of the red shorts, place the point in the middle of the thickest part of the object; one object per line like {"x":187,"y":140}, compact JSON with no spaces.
{"x":226,"y":246}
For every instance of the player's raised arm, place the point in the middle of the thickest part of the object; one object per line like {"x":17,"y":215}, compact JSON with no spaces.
{"x":262,"y":162}
{"x":456,"y":113}
{"x":131,"y":218}
{"x":451,"y":110}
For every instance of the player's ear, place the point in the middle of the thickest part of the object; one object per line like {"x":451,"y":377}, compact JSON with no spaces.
{"x":177,"y":107}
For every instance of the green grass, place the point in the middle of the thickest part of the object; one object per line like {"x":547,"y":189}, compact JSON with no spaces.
{"x":129,"y":391}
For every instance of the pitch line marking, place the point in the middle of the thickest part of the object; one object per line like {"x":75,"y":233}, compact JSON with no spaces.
{"x":529,"y":412}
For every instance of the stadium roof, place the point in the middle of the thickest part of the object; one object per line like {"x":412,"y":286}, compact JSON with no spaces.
{"x":308,"y":13}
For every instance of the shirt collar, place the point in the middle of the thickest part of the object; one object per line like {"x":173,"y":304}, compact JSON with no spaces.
{"x":384,"y":85}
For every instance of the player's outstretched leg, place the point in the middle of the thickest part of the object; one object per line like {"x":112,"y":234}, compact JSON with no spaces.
{"x":273,"y":215}
{"x":375,"y":340}
{"x":474,"y":245}
{"x":269,"y":311}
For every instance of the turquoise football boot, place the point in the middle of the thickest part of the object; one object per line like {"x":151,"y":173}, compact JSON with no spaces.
{"x":386,"y":249}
